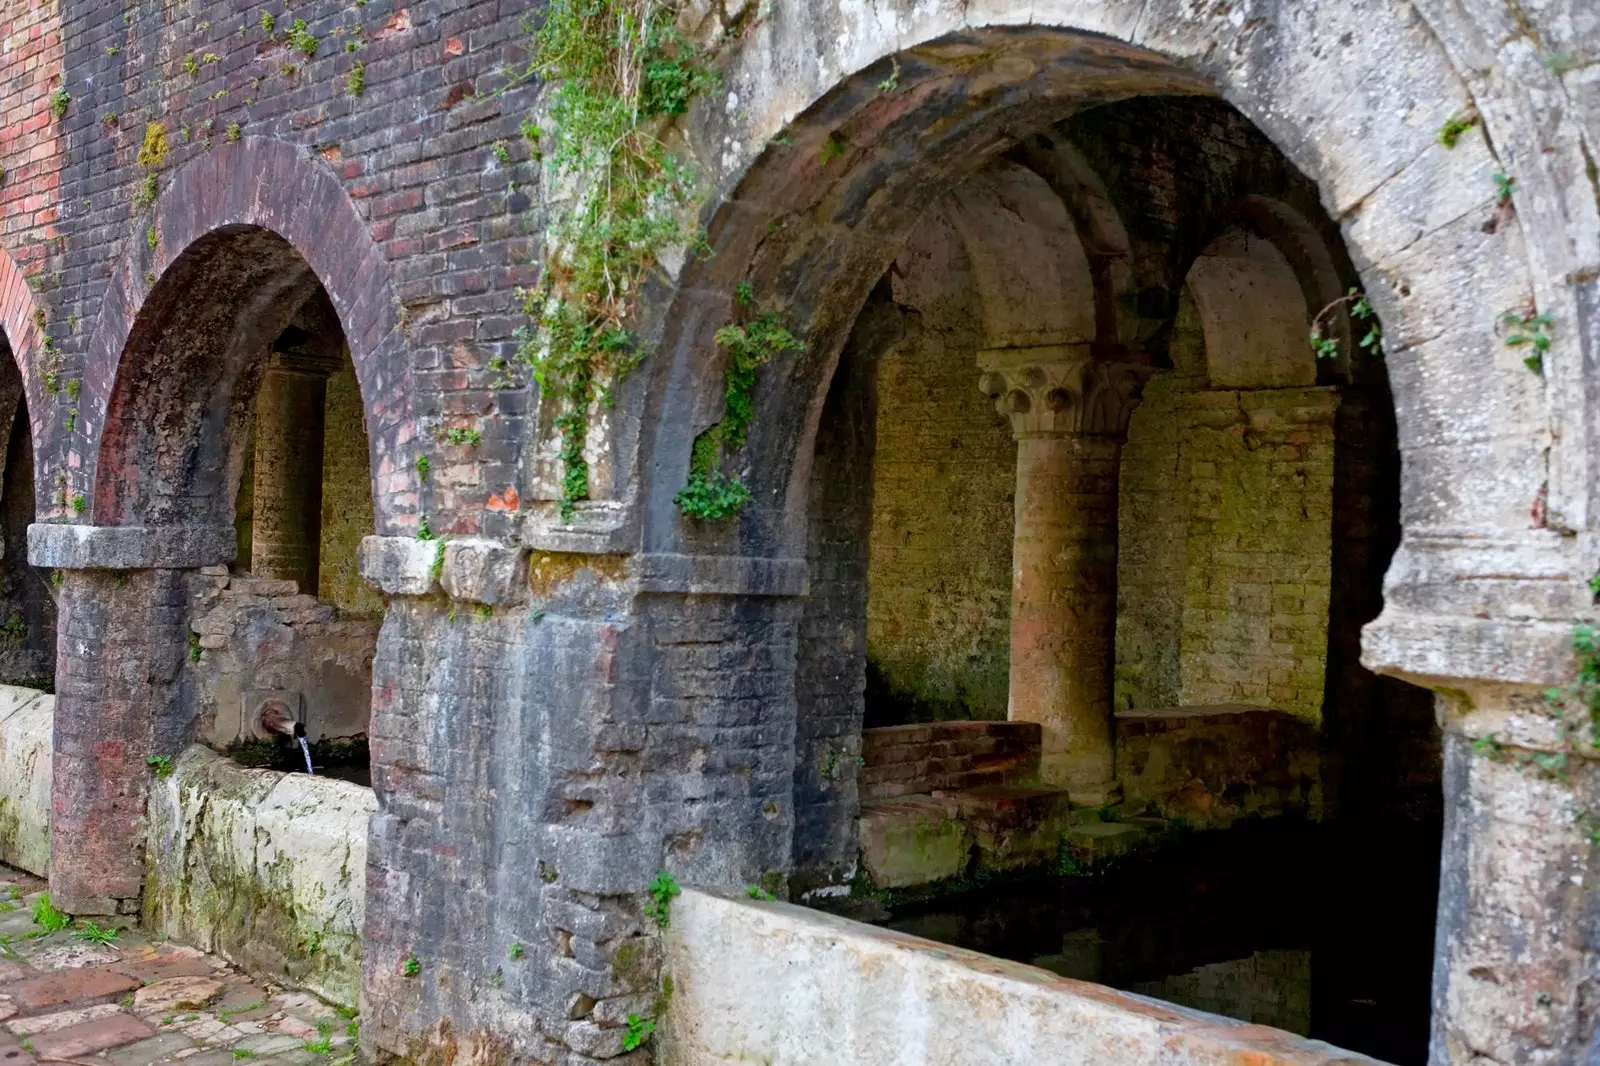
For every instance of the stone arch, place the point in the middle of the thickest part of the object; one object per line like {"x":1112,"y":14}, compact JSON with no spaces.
{"x":813,"y":235}
{"x":1252,"y":312}
{"x":256,"y":226}
{"x":20,"y":334}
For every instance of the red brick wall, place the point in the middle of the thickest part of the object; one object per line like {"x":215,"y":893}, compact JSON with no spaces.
{"x":904,"y":760}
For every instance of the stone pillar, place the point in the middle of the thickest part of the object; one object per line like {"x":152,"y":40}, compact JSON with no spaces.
{"x":121,"y":646}
{"x":1516,"y":961}
{"x":1070,"y":415}
{"x":286,"y":533}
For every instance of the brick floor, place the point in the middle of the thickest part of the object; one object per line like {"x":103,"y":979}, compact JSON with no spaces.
{"x":138,"y":1001}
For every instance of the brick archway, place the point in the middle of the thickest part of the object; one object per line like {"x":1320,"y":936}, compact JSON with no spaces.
{"x":261,"y":185}
{"x":18,"y":313}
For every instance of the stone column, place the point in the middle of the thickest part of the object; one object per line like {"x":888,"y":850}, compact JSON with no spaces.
{"x":121,"y":646}
{"x":286,"y":533}
{"x":1070,"y":415}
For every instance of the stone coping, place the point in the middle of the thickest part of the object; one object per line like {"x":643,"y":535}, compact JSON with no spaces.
{"x":774,"y":983}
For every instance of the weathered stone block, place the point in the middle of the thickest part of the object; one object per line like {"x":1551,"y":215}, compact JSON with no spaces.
{"x":913,"y":841}
{"x":75,"y":547}
{"x":485,"y":571}
{"x":401,"y":566}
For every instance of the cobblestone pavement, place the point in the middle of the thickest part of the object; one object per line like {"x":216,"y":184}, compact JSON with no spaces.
{"x":77,"y":995}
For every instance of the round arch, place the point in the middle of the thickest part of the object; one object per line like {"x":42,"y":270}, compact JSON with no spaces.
{"x":812,"y":230}
{"x":255,"y":226}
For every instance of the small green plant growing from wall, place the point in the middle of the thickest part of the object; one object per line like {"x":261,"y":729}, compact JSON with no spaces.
{"x":621,"y":73}
{"x":759,"y":893}
{"x":78,"y":503}
{"x":300,"y":38}
{"x":422,"y":467}
{"x":60,"y":101}
{"x":711,"y":494}
{"x":191,"y":65}
{"x":662,"y":890}
{"x":1505,"y":186}
{"x":268,"y":23}
{"x":502,"y":153}
{"x":463,"y":435}
{"x":194,"y":647}
{"x":14,"y":630}
{"x":161,"y":765}
{"x":152,"y":238}
{"x":232,"y":133}
{"x":1456,"y":125}
{"x":411,"y":967}
{"x":638,"y":1031}
{"x":355,"y":83}
{"x":1528,"y":329}
{"x":514,"y":952}
{"x":1326,"y":346}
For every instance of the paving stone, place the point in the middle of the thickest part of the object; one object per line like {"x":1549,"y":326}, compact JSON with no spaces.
{"x":268,"y":1043}
{"x":177,"y":993}
{"x":205,"y":1057}
{"x":158,"y":1047}
{"x":11,"y":1053}
{"x":86,"y":1038}
{"x":162,"y":969}
{"x":49,"y":1023}
{"x":12,"y":971}
{"x":74,"y":956}
{"x":95,"y":982}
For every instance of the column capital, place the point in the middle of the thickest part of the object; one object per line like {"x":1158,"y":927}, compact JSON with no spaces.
{"x":1061,"y":390}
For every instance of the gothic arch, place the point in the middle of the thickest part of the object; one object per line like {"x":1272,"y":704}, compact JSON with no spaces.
{"x":240,"y":235}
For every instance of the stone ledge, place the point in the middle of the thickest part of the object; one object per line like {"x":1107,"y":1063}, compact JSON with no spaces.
{"x":722,"y":575}
{"x":76,"y":547}
{"x":476,"y":570}
{"x":1450,"y":651}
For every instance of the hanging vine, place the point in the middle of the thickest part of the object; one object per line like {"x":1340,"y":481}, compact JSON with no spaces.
{"x":622,"y":72}
{"x":710,"y":493}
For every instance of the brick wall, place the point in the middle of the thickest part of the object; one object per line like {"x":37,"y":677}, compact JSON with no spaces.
{"x":255,"y":636}
{"x":346,"y":498}
{"x":948,"y":756}
{"x":944,"y":474}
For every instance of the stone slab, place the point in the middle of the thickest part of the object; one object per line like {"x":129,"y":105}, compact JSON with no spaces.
{"x":75,"y":547}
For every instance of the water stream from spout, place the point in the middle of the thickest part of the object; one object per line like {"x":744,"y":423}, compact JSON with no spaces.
{"x":306,"y":750}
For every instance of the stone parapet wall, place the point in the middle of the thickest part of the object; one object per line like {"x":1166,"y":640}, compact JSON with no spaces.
{"x":266,"y":869}
{"x":26,"y":718}
{"x":771,"y":983}
{"x":946,"y":756}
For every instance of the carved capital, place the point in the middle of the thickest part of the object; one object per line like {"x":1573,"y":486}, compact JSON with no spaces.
{"x":1061,"y":390}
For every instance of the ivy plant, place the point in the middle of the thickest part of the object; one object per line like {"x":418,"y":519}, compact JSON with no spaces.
{"x":621,"y":74}
{"x":711,"y":494}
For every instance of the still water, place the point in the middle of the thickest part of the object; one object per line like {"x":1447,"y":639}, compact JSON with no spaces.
{"x":1325,"y":932}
